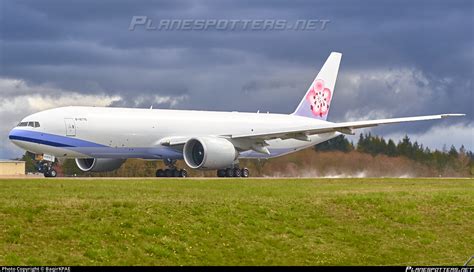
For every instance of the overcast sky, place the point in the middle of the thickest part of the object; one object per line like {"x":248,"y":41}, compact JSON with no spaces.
{"x":400,"y":58}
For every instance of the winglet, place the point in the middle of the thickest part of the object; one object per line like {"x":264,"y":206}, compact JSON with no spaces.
{"x":452,"y":115}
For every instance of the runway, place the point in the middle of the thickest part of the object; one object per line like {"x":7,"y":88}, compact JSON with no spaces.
{"x":17,"y":177}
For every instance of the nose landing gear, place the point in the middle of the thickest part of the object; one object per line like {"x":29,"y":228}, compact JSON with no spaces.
{"x":47,"y":168}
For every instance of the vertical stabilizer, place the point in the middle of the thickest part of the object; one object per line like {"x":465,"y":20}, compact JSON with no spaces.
{"x":317,"y":100}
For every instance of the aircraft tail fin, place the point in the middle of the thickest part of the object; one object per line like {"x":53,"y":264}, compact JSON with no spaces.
{"x":317,"y":100}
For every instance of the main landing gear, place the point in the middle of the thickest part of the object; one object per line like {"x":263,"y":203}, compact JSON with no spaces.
{"x":47,"y":168}
{"x":171,"y":171}
{"x":235,"y":172}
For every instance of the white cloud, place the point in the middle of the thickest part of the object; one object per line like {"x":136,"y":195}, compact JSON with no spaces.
{"x":385,"y":93}
{"x":32,"y":103}
{"x":157,"y":100}
{"x":19,"y":99}
{"x":358,"y":115}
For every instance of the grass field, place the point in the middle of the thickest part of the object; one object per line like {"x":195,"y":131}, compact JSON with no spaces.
{"x":236,"y":222}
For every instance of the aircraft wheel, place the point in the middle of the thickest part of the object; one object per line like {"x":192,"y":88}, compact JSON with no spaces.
{"x":245,"y":173}
{"x":229,"y":172}
{"x":221,"y":173}
{"x":168,"y":173}
{"x":237,"y":172}
{"x":183,"y":173}
{"x":51,"y":173}
{"x":159,"y":173}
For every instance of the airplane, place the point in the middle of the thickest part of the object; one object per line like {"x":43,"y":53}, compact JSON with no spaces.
{"x":102,"y":138}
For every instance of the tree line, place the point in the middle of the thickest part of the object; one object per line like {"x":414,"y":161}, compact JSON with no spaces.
{"x":375,"y":145}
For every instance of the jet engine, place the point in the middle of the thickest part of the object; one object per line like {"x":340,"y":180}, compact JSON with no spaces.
{"x":98,"y":165}
{"x":209,"y":153}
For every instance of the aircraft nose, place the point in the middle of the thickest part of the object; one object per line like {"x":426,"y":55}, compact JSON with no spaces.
{"x":11,"y":134}
{"x":15,"y":138}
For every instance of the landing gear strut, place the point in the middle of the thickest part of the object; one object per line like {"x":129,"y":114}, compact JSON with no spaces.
{"x":235,"y":172}
{"x":47,"y":168}
{"x":171,"y":171}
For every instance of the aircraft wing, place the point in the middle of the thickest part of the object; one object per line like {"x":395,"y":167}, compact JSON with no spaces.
{"x":345,"y":127}
{"x":301,"y":133}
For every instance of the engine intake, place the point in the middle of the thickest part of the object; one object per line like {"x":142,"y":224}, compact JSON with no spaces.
{"x":209,"y":153}
{"x":98,"y":165}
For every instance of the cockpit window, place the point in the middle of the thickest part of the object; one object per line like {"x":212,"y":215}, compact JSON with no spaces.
{"x":23,"y":124}
{"x":37,"y":124}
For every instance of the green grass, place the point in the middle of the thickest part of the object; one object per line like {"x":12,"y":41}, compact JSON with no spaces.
{"x":236,"y":222}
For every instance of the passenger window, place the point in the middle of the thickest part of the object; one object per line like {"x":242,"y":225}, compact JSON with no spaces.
{"x":37,"y":124}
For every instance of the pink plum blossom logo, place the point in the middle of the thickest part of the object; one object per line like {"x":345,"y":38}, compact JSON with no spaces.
{"x":319,"y":98}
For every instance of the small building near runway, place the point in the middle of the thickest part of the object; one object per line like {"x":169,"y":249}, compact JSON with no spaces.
{"x":12,"y":168}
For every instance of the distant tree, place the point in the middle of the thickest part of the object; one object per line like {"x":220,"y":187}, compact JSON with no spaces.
{"x":464,"y":163}
{"x":418,"y":152}
{"x":462,"y":150}
{"x":440,"y":160}
{"x":378,"y":145}
{"x":391,"y":149}
{"x":444,"y":161}
{"x":453,"y":153}
{"x":339,"y":143}
{"x":363,"y":143}
{"x":470,"y":157}
{"x":405,"y":148}
{"x":444,"y":150}
{"x":30,"y":164}
{"x":373,"y":145}
{"x":470,"y":154}
{"x":69,"y":168}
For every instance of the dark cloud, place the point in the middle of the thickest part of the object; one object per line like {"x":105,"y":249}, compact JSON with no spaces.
{"x":409,"y":57}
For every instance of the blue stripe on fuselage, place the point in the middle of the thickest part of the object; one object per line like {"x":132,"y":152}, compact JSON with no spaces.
{"x":93,"y":149}
{"x":49,"y":139}
{"x":38,"y":141}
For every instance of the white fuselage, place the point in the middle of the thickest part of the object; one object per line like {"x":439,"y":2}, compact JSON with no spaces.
{"x":99,"y":132}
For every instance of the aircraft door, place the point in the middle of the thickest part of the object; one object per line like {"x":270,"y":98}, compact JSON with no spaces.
{"x":70,"y":126}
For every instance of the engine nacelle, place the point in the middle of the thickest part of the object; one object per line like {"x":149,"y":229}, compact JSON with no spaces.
{"x":98,"y":165}
{"x":209,"y":153}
